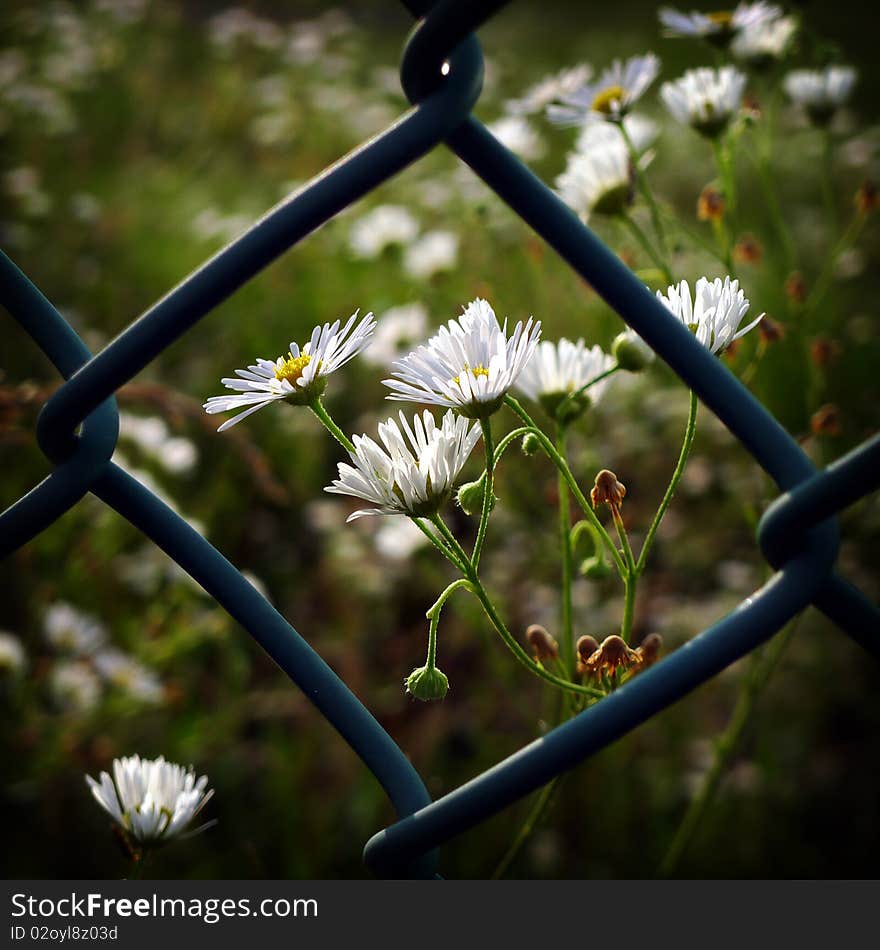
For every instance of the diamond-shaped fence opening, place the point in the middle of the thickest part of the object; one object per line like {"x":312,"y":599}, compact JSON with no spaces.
{"x":78,"y":427}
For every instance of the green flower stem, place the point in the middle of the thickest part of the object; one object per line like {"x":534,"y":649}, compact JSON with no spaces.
{"x":726,"y":228}
{"x":486,"y":426}
{"x":560,"y":409}
{"x":629,"y":605}
{"x":536,"y":813}
{"x":689,"y":432}
{"x":642,"y":240}
{"x":511,"y":437}
{"x":466,"y":566}
{"x":318,"y":409}
{"x":565,"y":550}
{"x":562,"y":465}
{"x":647,"y":193}
{"x":433,"y":615}
{"x":828,"y":181}
{"x":449,"y":553}
{"x":826,"y":276}
{"x":698,"y":240}
{"x":726,"y":745}
{"x":771,"y":200}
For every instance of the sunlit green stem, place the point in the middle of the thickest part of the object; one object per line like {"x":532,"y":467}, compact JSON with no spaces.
{"x":560,"y":409}
{"x":647,"y":192}
{"x":646,"y":245}
{"x":566,"y":631}
{"x":486,"y":426}
{"x":433,"y":615}
{"x":466,"y":567}
{"x":726,"y":745}
{"x":449,"y":553}
{"x":550,"y":449}
{"x":318,"y":409}
{"x":689,"y":433}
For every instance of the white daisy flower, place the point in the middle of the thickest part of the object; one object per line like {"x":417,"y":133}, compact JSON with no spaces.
{"x":12,"y":656}
{"x":300,"y":377}
{"x":536,"y":98}
{"x":717,"y":27}
{"x":410,"y":476}
{"x":397,"y":332}
{"x":557,"y":370}
{"x":382,"y":227}
{"x":75,"y":686}
{"x":705,"y":98}
{"x":764,"y":41}
{"x":434,"y":251}
{"x":821,"y":91}
{"x":612,"y":95}
{"x":517,"y":133}
{"x":714,"y":313}
{"x":641,"y":132}
{"x":125,"y":673}
{"x":469,"y":365}
{"x":72,"y":631}
{"x":599,"y":180}
{"x":151,"y":799}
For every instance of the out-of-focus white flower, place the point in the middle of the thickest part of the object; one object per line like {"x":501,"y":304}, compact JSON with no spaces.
{"x":536,"y":98}
{"x":178,"y":455}
{"x":300,"y":377}
{"x":148,"y":433}
{"x":397,"y":331}
{"x":123,"y":11}
{"x":238,"y":25}
{"x":517,"y":133}
{"x":151,"y":799}
{"x":612,"y":95}
{"x":717,"y":27}
{"x":705,"y":98}
{"x":397,"y":539}
{"x":23,"y":184}
{"x":596,"y":135}
{"x":85,"y":207}
{"x":412,"y":475}
{"x":12,"y":656}
{"x":599,"y":180}
{"x":125,"y":673}
{"x":75,"y":686}
{"x":714,"y":313}
{"x":433,"y":252}
{"x":820,"y":91}
{"x":764,"y":41}
{"x":382,"y":227}
{"x":73,"y":631}
{"x":558,"y":370}
{"x":469,"y":365}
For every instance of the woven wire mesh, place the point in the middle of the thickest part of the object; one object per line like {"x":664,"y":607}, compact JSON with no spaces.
{"x":78,"y":428}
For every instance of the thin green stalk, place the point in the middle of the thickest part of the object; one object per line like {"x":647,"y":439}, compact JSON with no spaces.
{"x":466,"y":567}
{"x":449,"y":553}
{"x":536,"y":813}
{"x":725,"y":747}
{"x":647,"y":193}
{"x":823,"y":281}
{"x":629,"y":604}
{"x":771,"y":199}
{"x":828,"y":182}
{"x":646,"y":245}
{"x":689,"y":432}
{"x":437,"y":606}
{"x":550,"y":450}
{"x":486,"y":426}
{"x":560,"y":409}
{"x":566,"y":632}
{"x":697,"y":239}
{"x":318,"y":409}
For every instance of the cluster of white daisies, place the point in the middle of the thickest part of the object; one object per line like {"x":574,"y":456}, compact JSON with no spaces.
{"x":599,"y":174}
{"x":467,"y":368}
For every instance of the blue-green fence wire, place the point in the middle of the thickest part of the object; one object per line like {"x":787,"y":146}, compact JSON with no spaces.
{"x":77,"y":429}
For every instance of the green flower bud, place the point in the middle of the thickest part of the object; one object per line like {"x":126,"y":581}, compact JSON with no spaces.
{"x":471,"y":494}
{"x":531,"y":444}
{"x":565,"y":407}
{"x":631,"y":352}
{"x":427,"y":684}
{"x":595,"y":568}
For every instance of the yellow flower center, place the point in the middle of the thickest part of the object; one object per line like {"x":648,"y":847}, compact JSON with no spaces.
{"x":604,"y":101}
{"x":723,"y":18}
{"x":479,"y":370}
{"x":291,"y":369}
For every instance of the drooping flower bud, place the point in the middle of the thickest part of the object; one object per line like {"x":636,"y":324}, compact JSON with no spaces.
{"x":471,"y":494}
{"x":544,"y":647}
{"x":631,"y":352}
{"x":748,"y":250}
{"x":795,"y":287}
{"x":595,"y":567}
{"x":427,"y":684}
{"x":771,"y":331}
{"x":711,"y":204}
{"x":586,"y":647}
{"x":612,"y":655}
{"x":826,"y":420}
{"x":648,"y":651}
{"x":531,"y":444}
{"x":607,"y":490}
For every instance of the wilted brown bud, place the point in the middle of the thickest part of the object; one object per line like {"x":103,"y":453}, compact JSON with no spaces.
{"x":586,"y":647}
{"x":867,"y":197}
{"x":732,"y":348}
{"x":771,"y":331}
{"x":607,"y":490}
{"x":544,"y":647}
{"x":826,"y":420}
{"x":711,"y":204}
{"x":823,"y":351}
{"x":648,"y":651}
{"x":748,"y":250}
{"x":611,"y":656}
{"x":796,"y":287}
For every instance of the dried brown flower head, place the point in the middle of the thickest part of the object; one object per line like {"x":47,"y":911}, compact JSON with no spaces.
{"x":607,"y":490}
{"x":711,"y":204}
{"x":826,"y":420}
{"x":544,"y":647}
